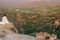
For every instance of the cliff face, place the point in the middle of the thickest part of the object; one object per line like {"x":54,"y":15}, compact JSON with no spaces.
{"x":9,"y":26}
{"x":19,"y":37}
{"x":9,"y":35}
{"x":9,"y":32}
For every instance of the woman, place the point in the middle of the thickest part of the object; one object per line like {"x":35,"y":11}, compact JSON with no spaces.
{"x":4,"y":20}
{"x":55,"y":27}
{"x":55,"y":24}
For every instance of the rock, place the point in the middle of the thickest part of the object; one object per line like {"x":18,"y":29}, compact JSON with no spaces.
{"x":9,"y":26}
{"x":4,"y":32}
{"x":7,"y":34}
{"x":10,"y":35}
{"x":19,"y":37}
{"x":1,"y":39}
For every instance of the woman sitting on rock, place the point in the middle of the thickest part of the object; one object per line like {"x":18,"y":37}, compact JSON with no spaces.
{"x":4,"y":20}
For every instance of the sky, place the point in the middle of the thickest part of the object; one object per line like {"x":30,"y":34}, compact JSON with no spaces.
{"x":21,"y":2}
{"x":14,"y":2}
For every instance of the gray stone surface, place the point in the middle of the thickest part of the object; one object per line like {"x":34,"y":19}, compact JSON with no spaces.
{"x":6,"y":34}
{"x":9,"y":35}
{"x":19,"y":37}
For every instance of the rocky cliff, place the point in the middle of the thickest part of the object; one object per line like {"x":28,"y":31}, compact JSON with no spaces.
{"x":7,"y":33}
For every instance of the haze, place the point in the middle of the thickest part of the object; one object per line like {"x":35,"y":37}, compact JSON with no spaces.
{"x":22,"y":2}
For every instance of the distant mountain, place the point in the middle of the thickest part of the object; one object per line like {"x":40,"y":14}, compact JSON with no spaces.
{"x":43,"y":2}
{"x":13,"y":2}
{"x":26,"y":2}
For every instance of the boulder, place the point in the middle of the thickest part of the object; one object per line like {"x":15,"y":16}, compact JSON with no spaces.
{"x":6,"y":34}
{"x":9,"y":26}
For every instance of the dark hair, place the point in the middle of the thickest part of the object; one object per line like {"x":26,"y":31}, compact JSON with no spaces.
{"x":53,"y":22}
{"x":4,"y":15}
{"x":57,"y":18}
